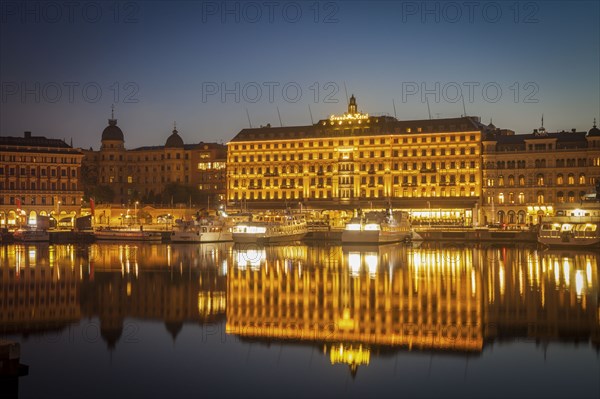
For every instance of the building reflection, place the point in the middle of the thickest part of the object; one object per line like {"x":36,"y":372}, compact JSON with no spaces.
{"x":40,"y":288}
{"x":52,"y":286}
{"x":353,"y":302}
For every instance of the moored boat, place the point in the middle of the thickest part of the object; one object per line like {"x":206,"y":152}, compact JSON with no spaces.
{"x":111,"y":234}
{"x":572,"y":227}
{"x":377,"y":229}
{"x":25,"y":234}
{"x":203,"y":231}
{"x":270,"y":228}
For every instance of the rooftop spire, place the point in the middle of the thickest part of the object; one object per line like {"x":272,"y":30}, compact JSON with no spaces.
{"x":594,"y":122}
{"x":174,"y":126}
{"x":112,"y":121}
{"x":352,"y":109}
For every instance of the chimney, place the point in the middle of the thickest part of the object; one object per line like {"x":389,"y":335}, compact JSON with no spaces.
{"x":573,"y":130}
{"x":27,"y":135}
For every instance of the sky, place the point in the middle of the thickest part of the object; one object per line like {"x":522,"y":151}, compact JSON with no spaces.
{"x":217,"y":67}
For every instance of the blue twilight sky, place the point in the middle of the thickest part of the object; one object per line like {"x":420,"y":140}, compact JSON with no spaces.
{"x":203,"y":64}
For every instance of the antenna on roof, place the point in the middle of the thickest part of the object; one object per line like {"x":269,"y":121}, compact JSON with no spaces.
{"x":394,"y":104}
{"x":346,"y":91}
{"x":428,"y":109}
{"x":310,"y":112}
{"x":464,"y":107}
{"x":112,"y":111}
{"x":248,"y":115}
{"x":279,"y":115}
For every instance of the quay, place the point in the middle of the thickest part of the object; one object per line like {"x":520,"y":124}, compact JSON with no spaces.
{"x":335,"y":235}
{"x":476,"y":234}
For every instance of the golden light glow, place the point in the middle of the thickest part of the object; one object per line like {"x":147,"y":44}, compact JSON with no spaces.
{"x":350,"y":355}
{"x":349,"y":117}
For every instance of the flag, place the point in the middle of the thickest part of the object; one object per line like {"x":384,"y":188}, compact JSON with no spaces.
{"x":92,"y":206}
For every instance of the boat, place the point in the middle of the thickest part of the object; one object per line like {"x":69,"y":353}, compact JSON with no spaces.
{"x":270,"y":228}
{"x":377,"y":229}
{"x":572,"y":226}
{"x":112,"y":234}
{"x":27,"y":234}
{"x":202,"y":231}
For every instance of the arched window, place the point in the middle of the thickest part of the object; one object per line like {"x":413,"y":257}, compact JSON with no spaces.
{"x":521,"y":217}
{"x":521,"y":180}
{"x":571,"y":196}
{"x":560,"y":197}
{"x":581,"y":178}
{"x":521,"y":198}
{"x":560,"y":180}
{"x":500,"y":216}
{"x":511,"y":180}
{"x":511,"y":198}
{"x":540,"y":197}
{"x":539,"y":179}
{"x":501,"y":198}
{"x":500,"y":181}
{"x":511,"y":217}
{"x":571,"y":179}
{"x":581,"y":195}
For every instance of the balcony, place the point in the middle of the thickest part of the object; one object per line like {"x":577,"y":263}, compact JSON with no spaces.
{"x":428,"y":170}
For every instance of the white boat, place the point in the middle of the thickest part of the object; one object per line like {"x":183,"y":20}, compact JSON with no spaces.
{"x":271,"y":228}
{"x":126,"y":235}
{"x":377,"y":230}
{"x":205,"y":231}
{"x":572,"y":226}
{"x":31,"y":235}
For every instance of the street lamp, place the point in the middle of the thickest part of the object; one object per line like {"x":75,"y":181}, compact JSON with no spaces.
{"x":135,"y":212}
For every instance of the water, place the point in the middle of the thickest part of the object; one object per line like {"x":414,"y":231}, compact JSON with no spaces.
{"x":438,"y":320}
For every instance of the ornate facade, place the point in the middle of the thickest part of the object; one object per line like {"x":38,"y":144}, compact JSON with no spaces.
{"x":356,"y":159}
{"x":143,"y":173}
{"x":38,"y":176}
{"x":526,"y":175}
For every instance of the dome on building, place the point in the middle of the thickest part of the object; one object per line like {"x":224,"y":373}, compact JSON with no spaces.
{"x":112,"y":131}
{"x":594,"y":131}
{"x":174,"y":140}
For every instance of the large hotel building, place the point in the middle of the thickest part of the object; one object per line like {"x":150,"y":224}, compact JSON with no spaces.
{"x":433,"y":168}
{"x":355,"y":160}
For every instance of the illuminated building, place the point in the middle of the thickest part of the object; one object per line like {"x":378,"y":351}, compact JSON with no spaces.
{"x":385,"y":297}
{"x":360,"y":160}
{"x":526,"y":175}
{"x":143,"y":173}
{"x":40,"y":175}
{"x":40,"y":288}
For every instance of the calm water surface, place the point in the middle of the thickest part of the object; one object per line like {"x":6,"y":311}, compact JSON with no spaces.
{"x":438,"y":320}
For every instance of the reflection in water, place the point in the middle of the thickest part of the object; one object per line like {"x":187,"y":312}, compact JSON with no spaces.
{"x":51,"y":286}
{"x":435,"y":297}
{"x":352,"y":301}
